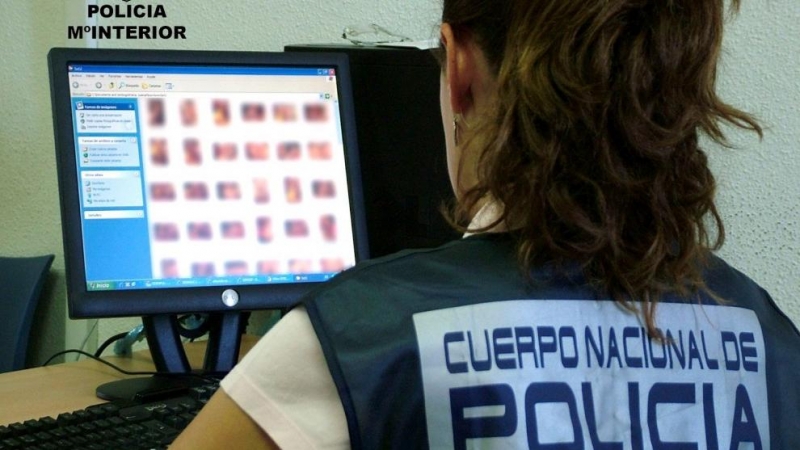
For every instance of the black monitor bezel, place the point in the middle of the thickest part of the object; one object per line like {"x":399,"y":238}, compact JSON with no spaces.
{"x":127,"y":303}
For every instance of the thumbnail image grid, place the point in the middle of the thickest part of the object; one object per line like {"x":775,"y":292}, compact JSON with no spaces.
{"x":242,"y":185}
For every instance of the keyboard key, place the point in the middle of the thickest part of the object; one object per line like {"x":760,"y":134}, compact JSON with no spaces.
{"x":123,"y":431}
{"x":58,"y":433}
{"x":188,"y":404}
{"x":177,"y":422}
{"x":43,"y":436}
{"x":66,"y":419}
{"x":124,"y":442}
{"x":12,"y":443}
{"x":136,"y":428}
{"x":82,"y":415}
{"x":116,"y":422}
{"x":48,"y":423}
{"x":175,"y":409}
{"x":72,"y":430}
{"x":92,"y":437}
{"x":33,"y":426}
{"x":161,"y":414}
{"x":79,"y":440}
{"x":102,"y":424}
{"x":110,"y":408}
{"x":87,"y":427}
{"x":27,"y":439}
{"x":5,"y":433}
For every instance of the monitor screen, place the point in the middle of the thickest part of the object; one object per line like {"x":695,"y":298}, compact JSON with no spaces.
{"x":187,"y":176}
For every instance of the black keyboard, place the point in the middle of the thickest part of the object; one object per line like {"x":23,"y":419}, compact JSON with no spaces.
{"x":116,"y":425}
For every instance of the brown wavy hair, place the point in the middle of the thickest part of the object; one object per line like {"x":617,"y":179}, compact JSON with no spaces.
{"x":591,"y":147}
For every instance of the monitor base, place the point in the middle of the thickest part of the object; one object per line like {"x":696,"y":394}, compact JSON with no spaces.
{"x":148,"y":389}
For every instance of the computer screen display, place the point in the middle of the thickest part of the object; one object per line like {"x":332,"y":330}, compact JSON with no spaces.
{"x":184,"y":175}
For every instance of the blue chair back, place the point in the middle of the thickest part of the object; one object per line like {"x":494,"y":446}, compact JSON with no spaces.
{"x":21,"y":282}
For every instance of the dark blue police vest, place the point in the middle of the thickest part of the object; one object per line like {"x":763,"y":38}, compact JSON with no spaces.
{"x":434,"y":348}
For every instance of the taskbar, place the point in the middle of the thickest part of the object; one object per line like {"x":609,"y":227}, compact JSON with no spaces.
{"x":238,"y":280}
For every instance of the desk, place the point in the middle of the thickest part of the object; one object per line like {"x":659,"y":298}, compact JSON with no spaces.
{"x":49,"y":391}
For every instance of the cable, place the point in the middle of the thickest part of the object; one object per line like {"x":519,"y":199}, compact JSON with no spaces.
{"x":203,"y":376}
{"x":91,"y":356}
{"x":108,"y":342}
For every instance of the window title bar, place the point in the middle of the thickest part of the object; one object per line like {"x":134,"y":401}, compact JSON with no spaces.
{"x":200,"y":70}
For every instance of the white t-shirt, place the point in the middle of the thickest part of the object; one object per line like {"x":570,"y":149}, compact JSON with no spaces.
{"x":285,"y":386}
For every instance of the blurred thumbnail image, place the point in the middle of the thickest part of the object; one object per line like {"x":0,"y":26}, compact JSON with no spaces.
{"x":188,"y":113}
{"x":169,"y":268}
{"x":319,"y":150}
{"x":264,"y":227}
{"x":284,"y":112}
{"x":256,"y":151}
{"x":199,"y":231}
{"x":203,"y":269}
{"x":289,"y":151}
{"x":323,"y":188}
{"x":236,"y":268}
{"x":232,"y":230}
{"x":299,"y":266}
{"x":260,"y":190}
{"x":195,"y":190}
{"x":158,"y":152}
{"x":162,"y":191}
{"x":291,"y":185}
{"x":253,"y":112}
{"x":268,"y":267}
{"x":224,"y":151}
{"x":191,"y":152}
{"x":221,"y":111}
{"x":165,"y":231}
{"x":296,"y":228}
{"x":228,"y":190}
{"x":156,"y":113}
{"x":316,"y":112}
{"x":327,"y":224}
{"x":331,"y":264}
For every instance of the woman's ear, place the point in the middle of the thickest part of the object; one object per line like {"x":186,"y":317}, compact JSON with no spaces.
{"x":460,"y":69}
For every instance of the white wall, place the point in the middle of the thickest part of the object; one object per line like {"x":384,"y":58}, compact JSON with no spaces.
{"x":268,"y":25}
{"x":29,"y":215}
{"x":759,"y":192}
{"x":759,"y":189}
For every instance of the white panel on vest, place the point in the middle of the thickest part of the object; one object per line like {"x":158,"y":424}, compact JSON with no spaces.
{"x":566,"y":374}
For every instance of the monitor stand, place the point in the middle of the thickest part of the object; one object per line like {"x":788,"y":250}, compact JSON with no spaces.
{"x":174,"y":372}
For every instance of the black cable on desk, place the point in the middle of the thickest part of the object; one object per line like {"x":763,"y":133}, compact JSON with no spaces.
{"x":203,"y":376}
{"x":108,"y":342}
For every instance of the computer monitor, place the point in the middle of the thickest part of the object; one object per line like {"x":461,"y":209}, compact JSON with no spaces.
{"x":203,"y":182}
